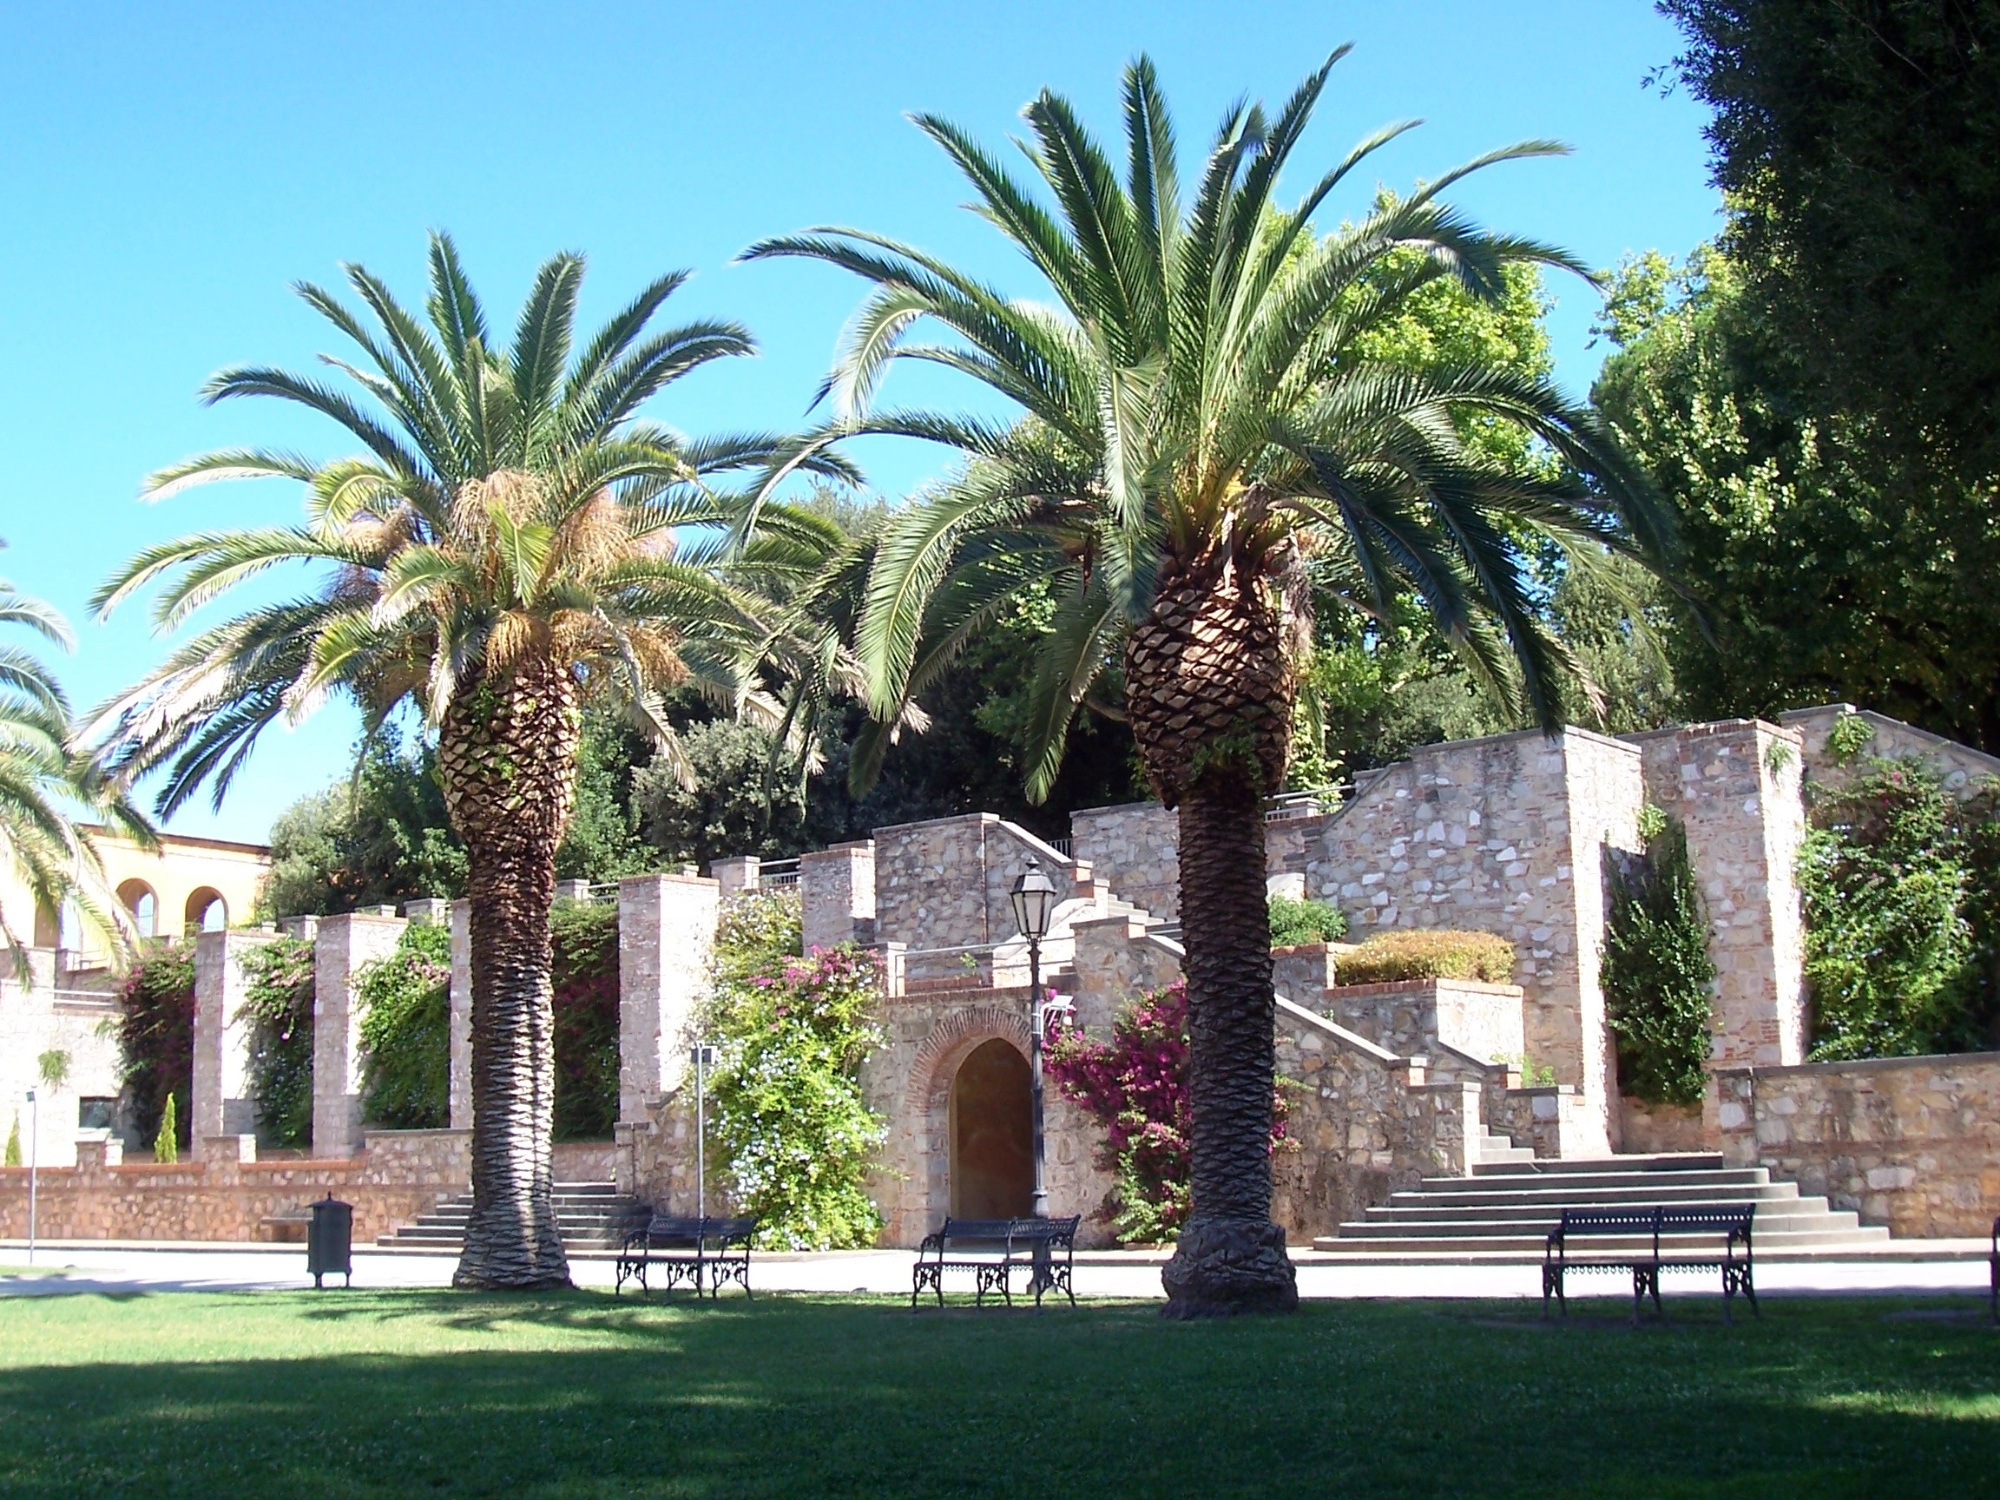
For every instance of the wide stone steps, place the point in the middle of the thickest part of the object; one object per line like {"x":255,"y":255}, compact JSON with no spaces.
{"x":1507,"y":1208}
{"x":591,"y":1215}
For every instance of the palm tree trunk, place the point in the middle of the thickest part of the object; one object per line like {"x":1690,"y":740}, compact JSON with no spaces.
{"x":1230,"y":1257}
{"x":507,"y":756}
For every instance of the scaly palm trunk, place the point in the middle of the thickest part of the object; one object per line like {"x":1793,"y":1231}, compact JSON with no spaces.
{"x":1209,"y":692}
{"x":507,"y":756}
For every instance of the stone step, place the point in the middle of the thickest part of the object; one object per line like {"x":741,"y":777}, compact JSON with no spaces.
{"x":1369,"y":1242}
{"x":591,"y":1215}
{"x":1814,"y":1215}
{"x":1676,"y":1161}
{"x":1524,"y":1182}
{"x":1607,"y":1197}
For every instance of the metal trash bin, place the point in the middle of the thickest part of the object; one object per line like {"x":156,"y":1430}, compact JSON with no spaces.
{"x":330,"y":1241}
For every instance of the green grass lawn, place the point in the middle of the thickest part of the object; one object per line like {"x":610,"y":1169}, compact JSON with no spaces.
{"x":412,"y":1393}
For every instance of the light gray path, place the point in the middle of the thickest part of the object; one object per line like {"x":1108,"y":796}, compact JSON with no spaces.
{"x":132,"y":1271}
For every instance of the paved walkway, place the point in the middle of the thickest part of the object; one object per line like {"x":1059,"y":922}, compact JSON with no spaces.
{"x":131,"y":1270}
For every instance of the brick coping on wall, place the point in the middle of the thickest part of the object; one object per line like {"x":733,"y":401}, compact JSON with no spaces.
{"x":1413,"y":986}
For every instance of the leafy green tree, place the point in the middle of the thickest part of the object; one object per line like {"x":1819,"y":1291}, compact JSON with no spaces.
{"x":1858,"y":145}
{"x":1821,"y":570}
{"x":1195,"y":418}
{"x":1657,"y":974}
{"x":503,"y":549}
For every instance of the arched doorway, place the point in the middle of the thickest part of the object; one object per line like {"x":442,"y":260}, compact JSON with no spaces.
{"x":206,"y":911}
{"x":992,"y":1139}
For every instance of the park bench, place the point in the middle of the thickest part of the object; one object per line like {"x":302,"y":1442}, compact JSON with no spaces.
{"x":993,"y":1249}
{"x":1676,"y":1226}
{"x":688,"y":1249}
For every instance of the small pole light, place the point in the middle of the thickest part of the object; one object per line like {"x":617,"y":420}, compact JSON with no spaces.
{"x":34,"y":1164}
{"x":704,"y":1059}
{"x":1034,"y":901}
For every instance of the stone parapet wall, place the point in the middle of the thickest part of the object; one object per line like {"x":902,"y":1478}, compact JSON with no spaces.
{"x":1910,"y":1142}
{"x":228,"y":1195}
{"x":1963,"y":769}
{"x":1363,"y":1123}
{"x":1414,"y":1017}
{"x":46,"y":1016}
{"x":1664,"y":1128}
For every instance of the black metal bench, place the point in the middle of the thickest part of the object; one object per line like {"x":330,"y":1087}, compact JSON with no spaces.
{"x":688,"y":1249}
{"x":993,"y":1249}
{"x":1732,"y":1223}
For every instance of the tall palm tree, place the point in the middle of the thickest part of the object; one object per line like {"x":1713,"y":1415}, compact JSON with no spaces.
{"x":43,"y":782}
{"x":1195,"y":436}
{"x":504,"y":547}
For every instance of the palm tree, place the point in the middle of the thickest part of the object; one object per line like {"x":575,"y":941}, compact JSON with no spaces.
{"x":1195,"y":439}
{"x":42,"y":781}
{"x":503,"y":548}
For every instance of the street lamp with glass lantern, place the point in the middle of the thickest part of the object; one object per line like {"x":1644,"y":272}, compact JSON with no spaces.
{"x":1034,"y":901}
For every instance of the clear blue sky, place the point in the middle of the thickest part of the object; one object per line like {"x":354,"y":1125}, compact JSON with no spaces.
{"x":168,"y":170}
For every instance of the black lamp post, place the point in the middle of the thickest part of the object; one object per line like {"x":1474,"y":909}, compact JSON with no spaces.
{"x":1034,"y":902}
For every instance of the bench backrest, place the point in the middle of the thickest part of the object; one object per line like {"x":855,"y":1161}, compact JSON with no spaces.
{"x":1664,"y":1219}
{"x":671,"y":1230}
{"x":1008,"y":1231}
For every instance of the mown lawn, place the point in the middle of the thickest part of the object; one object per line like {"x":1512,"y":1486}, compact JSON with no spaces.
{"x":412,"y":1393}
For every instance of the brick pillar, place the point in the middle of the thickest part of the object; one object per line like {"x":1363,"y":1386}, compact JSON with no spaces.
{"x":666,"y":941}
{"x":222,"y":1104}
{"x":461,"y":1015}
{"x":837,"y":895}
{"x":344,"y":946}
{"x":1735,"y":784}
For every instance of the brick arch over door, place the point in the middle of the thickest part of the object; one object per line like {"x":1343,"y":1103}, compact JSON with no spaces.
{"x":926,"y":1194}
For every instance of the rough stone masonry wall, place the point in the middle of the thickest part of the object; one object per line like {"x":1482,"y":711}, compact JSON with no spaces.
{"x":1363,"y":1123}
{"x":1136,"y":846}
{"x":1735,"y":786}
{"x":1910,"y":1142}
{"x":1962,"y":769}
{"x":1507,"y":835}
{"x":944,"y":885}
{"x":35,"y":1019}
{"x":398,"y":1176}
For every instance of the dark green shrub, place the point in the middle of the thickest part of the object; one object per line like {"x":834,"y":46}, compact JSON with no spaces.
{"x":1294,"y":922}
{"x":1428,"y":953}
{"x":584,"y":973}
{"x":279,"y":1006}
{"x":405,"y":1004}
{"x":156,"y":1037}
{"x":1658,"y":978}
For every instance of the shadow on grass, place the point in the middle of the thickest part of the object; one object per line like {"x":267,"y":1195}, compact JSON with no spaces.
{"x":794,"y":1396}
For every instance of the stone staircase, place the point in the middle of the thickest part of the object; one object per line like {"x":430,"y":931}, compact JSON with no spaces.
{"x":1505,"y":1209}
{"x":593,"y":1216}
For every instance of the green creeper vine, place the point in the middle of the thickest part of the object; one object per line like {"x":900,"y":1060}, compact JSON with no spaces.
{"x":1658,"y":977}
{"x":279,"y":1007}
{"x":405,"y":1004}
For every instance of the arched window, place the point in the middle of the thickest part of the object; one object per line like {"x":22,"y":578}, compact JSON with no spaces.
{"x":206,"y":912}
{"x":137,"y":897}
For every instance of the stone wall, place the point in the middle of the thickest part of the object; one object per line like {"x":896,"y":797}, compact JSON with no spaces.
{"x":41,"y":1017}
{"x":1671,"y":1128}
{"x":1507,"y":835}
{"x":229,"y":1195}
{"x":1735,"y":786}
{"x":943,"y":885}
{"x":1414,"y":1017}
{"x":1363,"y":1123}
{"x":1962,"y":769}
{"x":1136,"y":846}
{"x":1910,"y":1142}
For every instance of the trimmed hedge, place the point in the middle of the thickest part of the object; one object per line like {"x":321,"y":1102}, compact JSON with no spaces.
{"x":1427,"y":953}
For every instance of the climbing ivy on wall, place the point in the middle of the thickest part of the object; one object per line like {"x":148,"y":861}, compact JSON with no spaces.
{"x":405,"y":1002}
{"x":1657,"y":975}
{"x":156,"y":1038}
{"x":1901,"y":887}
{"x":279,"y":1005}
{"x":794,"y":1136}
{"x":585,"y":977}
